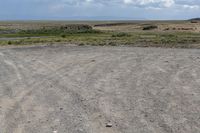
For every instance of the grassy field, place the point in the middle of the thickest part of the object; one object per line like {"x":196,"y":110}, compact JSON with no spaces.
{"x":178,"y":34}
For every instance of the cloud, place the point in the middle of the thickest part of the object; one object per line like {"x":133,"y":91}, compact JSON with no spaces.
{"x":128,"y":1}
{"x":57,"y":7}
{"x":149,"y":3}
{"x":168,"y":3}
{"x":195,"y":7}
{"x":192,"y":4}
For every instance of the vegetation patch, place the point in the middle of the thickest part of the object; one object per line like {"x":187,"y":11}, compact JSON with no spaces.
{"x":76,"y":27}
{"x":82,"y":34}
{"x":49,"y":31}
{"x":121,"y":34}
{"x":150,"y":27}
{"x":69,"y":29}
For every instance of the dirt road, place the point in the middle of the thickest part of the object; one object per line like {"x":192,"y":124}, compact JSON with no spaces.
{"x":74,"y":89}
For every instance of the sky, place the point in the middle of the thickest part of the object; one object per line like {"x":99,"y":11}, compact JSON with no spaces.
{"x":99,"y":9}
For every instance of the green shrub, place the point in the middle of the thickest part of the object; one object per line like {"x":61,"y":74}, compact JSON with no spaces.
{"x":150,"y":27}
{"x":9,"y":42}
{"x":62,"y":31}
{"x":76,"y":27}
{"x":63,"y":35}
{"x":121,"y":34}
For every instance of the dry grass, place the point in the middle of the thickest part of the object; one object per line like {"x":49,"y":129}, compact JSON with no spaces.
{"x":181,"y":34}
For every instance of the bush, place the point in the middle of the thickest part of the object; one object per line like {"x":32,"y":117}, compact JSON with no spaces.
{"x":63,"y":35}
{"x":9,"y":42}
{"x":67,"y":29}
{"x":150,"y":27}
{"x":76,"y":27}
{"x":81,"y":44}
{"x":121,"y":34}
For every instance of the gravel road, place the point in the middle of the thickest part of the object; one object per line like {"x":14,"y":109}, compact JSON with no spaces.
{"x":87,"y":89}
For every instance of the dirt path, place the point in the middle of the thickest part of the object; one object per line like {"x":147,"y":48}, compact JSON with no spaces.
{"x":73,"y":89}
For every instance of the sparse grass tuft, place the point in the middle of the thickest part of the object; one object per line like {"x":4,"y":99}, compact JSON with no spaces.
{"x":121,"y":34}
{"x":63,"y":35}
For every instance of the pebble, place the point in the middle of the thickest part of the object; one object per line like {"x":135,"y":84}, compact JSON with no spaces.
{"x":108,"y":125}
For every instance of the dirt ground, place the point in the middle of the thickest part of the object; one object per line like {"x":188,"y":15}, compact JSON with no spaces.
{"x":171,"y":26}
{"x":85,"y":89}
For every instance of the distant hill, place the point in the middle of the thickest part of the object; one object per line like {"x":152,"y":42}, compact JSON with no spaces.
{"x":195,"y":19}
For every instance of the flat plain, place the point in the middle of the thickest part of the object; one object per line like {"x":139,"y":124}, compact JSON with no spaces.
{"x":95,"y":89}
{"x":168,"y":34}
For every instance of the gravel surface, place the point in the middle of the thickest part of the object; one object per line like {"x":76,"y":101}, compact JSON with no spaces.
{"x":75,"y":89}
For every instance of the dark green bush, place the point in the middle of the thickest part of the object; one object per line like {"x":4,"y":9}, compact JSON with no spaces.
{"x":121,"y":34}
{"x":9,"y":42}
{"x":63,"y":35}
{"x":150,"y":27}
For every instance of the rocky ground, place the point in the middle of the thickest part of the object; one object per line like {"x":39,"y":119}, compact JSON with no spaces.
{"x":85,"y":89}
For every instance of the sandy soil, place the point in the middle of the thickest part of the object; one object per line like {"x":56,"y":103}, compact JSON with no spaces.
{"x":73,"y":89}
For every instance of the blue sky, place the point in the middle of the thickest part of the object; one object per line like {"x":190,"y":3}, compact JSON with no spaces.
{"x":98,"y":9}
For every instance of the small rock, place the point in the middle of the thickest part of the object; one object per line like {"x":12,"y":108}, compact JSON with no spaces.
{"x":108,"y":125}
